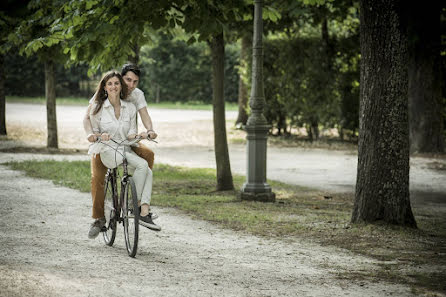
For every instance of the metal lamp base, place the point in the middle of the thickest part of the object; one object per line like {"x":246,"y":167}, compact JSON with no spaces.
{"x":261,"y":197}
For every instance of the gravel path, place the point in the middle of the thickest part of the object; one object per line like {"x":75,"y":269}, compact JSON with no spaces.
{"x":44,"y":251}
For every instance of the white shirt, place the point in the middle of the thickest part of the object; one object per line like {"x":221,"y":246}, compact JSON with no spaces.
{"x":136,"y":97}
{"x":105,"y":121}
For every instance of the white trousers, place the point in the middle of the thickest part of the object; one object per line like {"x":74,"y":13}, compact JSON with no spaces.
{"x":142,"y":175}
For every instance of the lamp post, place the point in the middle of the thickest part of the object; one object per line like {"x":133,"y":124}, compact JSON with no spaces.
{"x":255,"y":187}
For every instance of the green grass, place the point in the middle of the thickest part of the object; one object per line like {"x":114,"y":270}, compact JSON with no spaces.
{"x":298,"y":213}
{"x":84,"y":101}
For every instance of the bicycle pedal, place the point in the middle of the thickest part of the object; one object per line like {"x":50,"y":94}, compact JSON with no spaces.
{"x":103,"y":229}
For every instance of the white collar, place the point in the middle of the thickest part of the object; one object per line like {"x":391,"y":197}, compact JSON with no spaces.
{"x":107,"y":103}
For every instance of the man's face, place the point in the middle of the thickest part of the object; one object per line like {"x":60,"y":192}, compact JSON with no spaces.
{"x":131,"y":80}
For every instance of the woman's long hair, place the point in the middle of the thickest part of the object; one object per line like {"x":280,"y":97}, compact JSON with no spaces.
{"x":101,"y":95}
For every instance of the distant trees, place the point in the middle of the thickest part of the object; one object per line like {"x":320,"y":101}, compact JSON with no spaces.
{"x":70,"y":82}
{"x":11,"y":13}
{"x":176,"y":71}
{"x":312,"y":74}
{"x":426,"y":108}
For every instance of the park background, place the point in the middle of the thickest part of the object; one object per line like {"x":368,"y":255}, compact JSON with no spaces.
{"x":312,"y":93}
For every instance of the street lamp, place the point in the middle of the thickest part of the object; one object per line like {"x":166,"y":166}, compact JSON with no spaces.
{"x":256,"y":187}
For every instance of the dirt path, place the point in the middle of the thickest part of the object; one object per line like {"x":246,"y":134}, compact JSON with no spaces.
{"x":44,"y":251}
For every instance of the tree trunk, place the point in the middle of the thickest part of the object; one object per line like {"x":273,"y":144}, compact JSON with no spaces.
{"x":224,"y":175}
{"x":134,"y":57}
{"x":2,"y":97}
{"x":50,"y":93}
{"x":157,"y":97}
{"x":242,"y":117}
{"x":382,"y":185}
{"x":425,"y":108}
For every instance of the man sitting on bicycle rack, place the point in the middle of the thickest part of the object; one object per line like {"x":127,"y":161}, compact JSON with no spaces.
{"x":114,"y":118}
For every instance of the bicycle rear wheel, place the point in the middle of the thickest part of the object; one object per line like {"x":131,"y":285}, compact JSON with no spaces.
{"x":130,"y":212}
{"x":110,"y":209}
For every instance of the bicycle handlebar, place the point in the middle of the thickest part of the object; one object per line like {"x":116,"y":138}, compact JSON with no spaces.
{"x":129,"y":142}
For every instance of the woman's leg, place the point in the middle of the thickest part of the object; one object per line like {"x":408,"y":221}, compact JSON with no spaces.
{"x":143,"y":179}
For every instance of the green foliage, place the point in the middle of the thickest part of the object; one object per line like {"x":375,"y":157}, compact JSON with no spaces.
{"x":182,"y":72}
{"x":103,"y":33}
{"x":11,"y":14}
{"x":209,"y":18}
{"x":33,"y":35}
{"x":301,"y":92}
{"x":311,"y":67}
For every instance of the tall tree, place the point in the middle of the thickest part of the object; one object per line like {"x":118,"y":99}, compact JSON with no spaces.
{"x":2,"y":98}
{"x":425,"y":78}
{"x":224,"y":175}
{"x":382,"y":186}
{"x":33,"y":37}
{"x":211,"y":21}
{"x":50,"y":94}
{"x":11,"y":13}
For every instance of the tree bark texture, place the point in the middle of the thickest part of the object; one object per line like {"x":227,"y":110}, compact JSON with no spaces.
{"x":425,"y":78}
{"x":50,"y":93}
{"x":2,"y":97}
{"x":242,"y":117}
{"x":382,"y":186}
{"x":134,"y":57}
{"x":224,"y":175}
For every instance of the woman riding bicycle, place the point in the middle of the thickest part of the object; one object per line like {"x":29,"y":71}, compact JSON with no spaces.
{"x":112,"y":117}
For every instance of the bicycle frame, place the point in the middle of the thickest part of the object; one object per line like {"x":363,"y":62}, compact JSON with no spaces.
{"x":113,"y":175}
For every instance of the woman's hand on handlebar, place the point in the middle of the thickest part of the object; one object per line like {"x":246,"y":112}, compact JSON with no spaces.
{"x":105,"y":137}
{"x":92,"y":137}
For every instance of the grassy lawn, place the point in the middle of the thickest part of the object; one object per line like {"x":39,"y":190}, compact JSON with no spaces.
{"x":413,"y":256}
{"x":84,"y":102}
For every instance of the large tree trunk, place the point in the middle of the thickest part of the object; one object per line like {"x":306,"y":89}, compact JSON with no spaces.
{"x":425,"y":108}
{"x":2,"y":97}
{"x":224,"y":175}
{"x":50,"y":93}
{"x":242,"y":87}
{"x":382,"y":186}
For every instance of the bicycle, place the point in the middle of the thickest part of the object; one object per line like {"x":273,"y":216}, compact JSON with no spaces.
{"x":125,"y":209}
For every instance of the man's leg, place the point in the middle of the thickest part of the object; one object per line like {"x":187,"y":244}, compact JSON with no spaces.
{"x":145,"y":153}
{"x":98,"y":171}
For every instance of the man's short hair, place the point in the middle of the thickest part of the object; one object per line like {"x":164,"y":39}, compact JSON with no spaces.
{"x":130,"y":67}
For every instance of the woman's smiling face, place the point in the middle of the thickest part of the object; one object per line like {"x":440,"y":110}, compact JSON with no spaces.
{"x":113,"y":86}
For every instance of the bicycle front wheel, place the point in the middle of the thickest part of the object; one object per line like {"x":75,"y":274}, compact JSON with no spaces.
{"x":130,"y":212}
{"x":110,"y":200}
